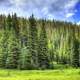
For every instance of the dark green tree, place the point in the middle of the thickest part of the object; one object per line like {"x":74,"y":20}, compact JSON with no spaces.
{"x":13,"y":43}
{"x":75,"y":55}
{"x":12,"y":61}
{"x":43,"y":55}
{"x":33,"y":42}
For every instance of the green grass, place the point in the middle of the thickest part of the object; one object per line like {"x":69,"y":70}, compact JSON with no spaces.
{"x":66,"y":74}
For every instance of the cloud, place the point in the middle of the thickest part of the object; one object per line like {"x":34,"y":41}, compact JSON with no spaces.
{"x":69,"y":15}
{"x":71,"y":3}
{"x":58,"y":9}
{"x":17,"y":2}
{"x":78,"y":23}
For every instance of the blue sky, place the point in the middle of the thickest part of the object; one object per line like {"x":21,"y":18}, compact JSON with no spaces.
{"x":67,"y":10}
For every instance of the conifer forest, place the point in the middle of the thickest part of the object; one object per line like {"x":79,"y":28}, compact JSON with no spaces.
{"x":38,"y":44}
{"x":39,"y":39}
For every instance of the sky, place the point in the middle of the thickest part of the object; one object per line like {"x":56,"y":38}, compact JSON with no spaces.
{"x":65,"y":10}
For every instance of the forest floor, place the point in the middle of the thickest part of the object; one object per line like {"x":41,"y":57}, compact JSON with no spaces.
{"x":65,"y":74}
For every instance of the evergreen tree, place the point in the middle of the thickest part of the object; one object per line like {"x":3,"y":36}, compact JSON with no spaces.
{"x":9,"y":22}
{"x":12,"y":61}
{"x":4,"y":49}
{"x":75,"y":57}
{"x":15,"y":25}
{"x":43,"y":56}
{"x":33,"y":38}
{"x":13,"y":44}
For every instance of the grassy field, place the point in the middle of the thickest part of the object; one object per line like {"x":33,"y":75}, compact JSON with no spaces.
{"x":67,"y":74}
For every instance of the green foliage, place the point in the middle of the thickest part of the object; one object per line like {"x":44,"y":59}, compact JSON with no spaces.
{"x":35,"y":44}
{"x":13,"y":52}
{"x":44,"y":61}
{"x":66,"y":74}
{"x":76,"y":53}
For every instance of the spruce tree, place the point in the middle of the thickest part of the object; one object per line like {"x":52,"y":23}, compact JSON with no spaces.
{"x":9,"y":22}
{"x":43,"y":55}
{"x":75,"y":55}
{"x":32,"y":42}
{"x":13,"y":52}
{"x":13,"y":44}
{"x":4,"y":49}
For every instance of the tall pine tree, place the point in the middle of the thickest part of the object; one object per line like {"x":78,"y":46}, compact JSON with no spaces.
{"x":43,"y":55}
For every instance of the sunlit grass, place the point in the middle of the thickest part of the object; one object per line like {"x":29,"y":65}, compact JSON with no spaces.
{"x":67,"y":74}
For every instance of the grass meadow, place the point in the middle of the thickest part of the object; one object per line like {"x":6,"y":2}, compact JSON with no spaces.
{"x":63,"y":74}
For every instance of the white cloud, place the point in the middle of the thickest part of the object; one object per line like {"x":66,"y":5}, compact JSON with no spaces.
{"x":58,"y":9}
{"x":17,"y":2}
{"x":69,"y":15}
{"x":69,"y":8}
{"x":70,"y":4}
{"x":78,"y":23}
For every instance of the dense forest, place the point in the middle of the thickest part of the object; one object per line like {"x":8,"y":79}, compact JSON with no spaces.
{"x":38,"y":43}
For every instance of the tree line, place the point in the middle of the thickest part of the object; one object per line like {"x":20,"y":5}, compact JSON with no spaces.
{"x":37,"y":43}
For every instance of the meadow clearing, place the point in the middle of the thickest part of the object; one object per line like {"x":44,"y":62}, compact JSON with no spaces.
{"x":65,"y":74}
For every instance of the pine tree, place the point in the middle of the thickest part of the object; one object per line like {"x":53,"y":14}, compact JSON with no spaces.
{"x":43,"y":56}
{"x":25,"y":56}
{"x":15,"y":25}
{"x":4,"y":44}
{"x":13,"y":44}
{"x":9,"y":22}
{"x":4,"y":49}
{"x":33,"y":38}
{"x":12,"y":61}
{"x":25,"y":59}
{"x":75,"y":55}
